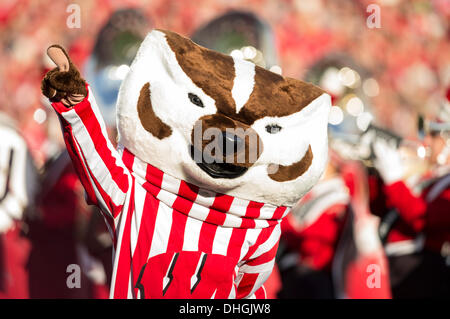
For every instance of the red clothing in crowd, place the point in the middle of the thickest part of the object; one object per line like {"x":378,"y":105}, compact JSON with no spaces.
{"x":56,"y":237}
{"x":313,"y":228}
{"x":417,"y":245}
{"x":427,"y":213}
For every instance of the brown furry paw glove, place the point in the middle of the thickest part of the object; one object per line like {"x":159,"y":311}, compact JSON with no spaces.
{"x":63,"y":83}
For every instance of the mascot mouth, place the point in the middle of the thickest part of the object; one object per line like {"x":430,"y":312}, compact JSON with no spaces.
{"x":216,"y":170}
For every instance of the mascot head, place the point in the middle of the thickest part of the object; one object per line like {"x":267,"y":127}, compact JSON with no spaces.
{"x":221,"y":123}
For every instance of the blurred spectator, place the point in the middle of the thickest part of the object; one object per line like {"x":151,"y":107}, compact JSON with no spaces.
{"x":419,"y":239}
{"x":58,"y":237}
{"x":18,"y":181}
{"x":310,"y":235}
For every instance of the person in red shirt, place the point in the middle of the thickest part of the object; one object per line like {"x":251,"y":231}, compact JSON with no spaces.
{"x":418,"y":243}
{"x":59,"y":237}
{"x":309,"y":239}
{"x":18,"y":183}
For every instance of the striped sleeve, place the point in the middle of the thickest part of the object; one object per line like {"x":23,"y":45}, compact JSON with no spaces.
{"x":258,"y":265}
{"x":98,"y":164}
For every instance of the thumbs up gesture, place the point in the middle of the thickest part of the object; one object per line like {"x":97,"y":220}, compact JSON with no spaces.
{"x":63,"y":83}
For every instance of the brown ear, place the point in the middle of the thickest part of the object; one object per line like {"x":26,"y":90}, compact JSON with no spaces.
{"x":274,"y":95}
{"x":149,"y":120}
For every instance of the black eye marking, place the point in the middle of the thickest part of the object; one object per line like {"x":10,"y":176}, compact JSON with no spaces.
{"x":195,"y":100}
{"x":273,"y":128}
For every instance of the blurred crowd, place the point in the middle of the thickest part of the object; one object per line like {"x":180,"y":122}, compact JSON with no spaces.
{"x":377,"y":225}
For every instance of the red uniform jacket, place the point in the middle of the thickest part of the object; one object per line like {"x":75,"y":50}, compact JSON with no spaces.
{"x":427,"y":214}
{"x":53,"y":236}
{"x":315,"y":224}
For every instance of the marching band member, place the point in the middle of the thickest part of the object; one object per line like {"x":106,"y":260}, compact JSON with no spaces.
{"x":18,"y":181}
{"x":418,"y":246}
{"x":310,"y":235}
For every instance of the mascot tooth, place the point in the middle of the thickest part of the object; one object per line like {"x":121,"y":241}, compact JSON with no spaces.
{"x":212,"y":153}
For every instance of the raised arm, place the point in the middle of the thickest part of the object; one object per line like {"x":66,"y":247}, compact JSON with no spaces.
{"x":411,"y":208}
{"x":98,"y":164}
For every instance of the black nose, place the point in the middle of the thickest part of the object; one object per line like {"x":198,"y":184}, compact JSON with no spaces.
{"x":231,"y":143}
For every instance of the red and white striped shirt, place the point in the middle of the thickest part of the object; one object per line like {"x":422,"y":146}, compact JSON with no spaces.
{"x":172,"y":239}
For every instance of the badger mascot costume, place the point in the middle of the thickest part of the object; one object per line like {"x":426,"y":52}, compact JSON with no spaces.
{"x":212,"y":153}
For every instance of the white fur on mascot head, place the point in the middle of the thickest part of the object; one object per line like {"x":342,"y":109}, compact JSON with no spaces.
{"x":180,"y":100}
